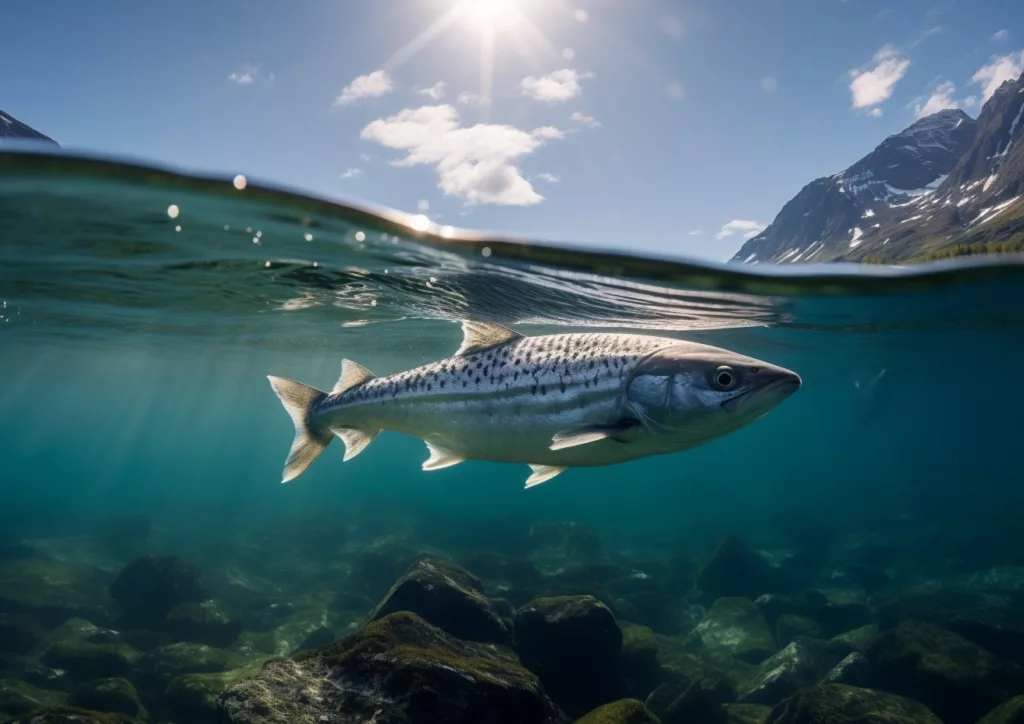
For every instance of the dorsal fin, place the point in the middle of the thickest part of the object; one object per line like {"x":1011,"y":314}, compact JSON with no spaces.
{"x":479,"y":336}
{"x":352,"y":375}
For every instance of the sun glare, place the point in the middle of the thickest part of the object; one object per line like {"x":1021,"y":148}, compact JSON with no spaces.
{"x":486,"y":15}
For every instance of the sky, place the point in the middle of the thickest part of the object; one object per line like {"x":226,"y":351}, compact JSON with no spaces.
{"x":675,"y":127}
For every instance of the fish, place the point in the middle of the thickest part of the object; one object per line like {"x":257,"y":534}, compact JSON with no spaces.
{"x":552,"y":402}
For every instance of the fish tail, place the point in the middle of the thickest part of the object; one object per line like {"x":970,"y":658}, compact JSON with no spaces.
{"x":299,"y":400}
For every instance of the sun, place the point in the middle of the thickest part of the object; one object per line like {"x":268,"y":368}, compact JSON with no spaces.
{"x":488,"y":15}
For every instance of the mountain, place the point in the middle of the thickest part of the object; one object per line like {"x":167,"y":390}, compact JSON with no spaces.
{"x":11,"y":127}
{"x":933,"y":190}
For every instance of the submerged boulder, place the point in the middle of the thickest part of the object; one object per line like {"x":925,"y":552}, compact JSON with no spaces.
{"x":839,"y":704}
{"x":117,"y":696}
{"x":54,"y":591}
{"x":853,"y":670}
{"x":703,"y":700}
{"x":798,"y":665}
{"x":203,"y":623}
{"x":1012,"y":712}
{"x":449,"y":597}
{"x":791,"y":625}
{"x":20,"y":633}
{"x":733,"y":570}
{"x":195,"y":697}
{"x":734,"y":627}
{"x":85,"y":660}
{"x":957,"y":679}
{"x":159,"y":666}
{"x":63,"y":714}
{"x":149,"y":587}
{"x":395,"y":670}
{"x":640,"y":666}
{"x":574,"y":644}
{"x":624,"y":711}
{"x":17,"y":697}
{"x":746,"y":713}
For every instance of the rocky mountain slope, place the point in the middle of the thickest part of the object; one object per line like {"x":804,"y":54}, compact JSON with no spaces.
{"x":945,"y":185}
{"x":11,"y":127}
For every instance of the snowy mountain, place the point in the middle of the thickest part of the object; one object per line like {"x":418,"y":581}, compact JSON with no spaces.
{"x":947,"y":183}
{"x":11,"y":127}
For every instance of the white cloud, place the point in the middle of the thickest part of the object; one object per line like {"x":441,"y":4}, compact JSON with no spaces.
{"x":472,"y":99}
{"x":695,"y":232}
{"x":581,"y":15}
{"x":423,"y":206}
{"x":675,"y":91}
{"x":435,"y":91}
{"x":874,"y":85}
{"x":940,"y":99}
{"x":352,"y":173}
{"x":671,"y":26}
{"x":769,"y":84}
{"x":476,"y":163}
{"x":568,"y":54}
{"x":748,"y":229}
{"x":875,"y":112}
{"x":243,"y":78}
{"x":365,"y":157}
{"x":970,"y":101}
{"x":556,"y":87}
{"x":1000,"y":35}
{"x":372,"y":85}
{"x":585,"y":120}
{"x":549,"y":177}
{"x":999,"y":69}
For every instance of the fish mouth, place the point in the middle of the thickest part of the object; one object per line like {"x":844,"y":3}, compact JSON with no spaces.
{"x":770,"y":394}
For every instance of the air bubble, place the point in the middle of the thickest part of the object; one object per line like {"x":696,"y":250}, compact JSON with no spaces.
{"x":173,"y":211}
{"x":486,"y":251}
{"x":360,"y":236}
{"x":239,"y":182}
{"x":308,"y":236}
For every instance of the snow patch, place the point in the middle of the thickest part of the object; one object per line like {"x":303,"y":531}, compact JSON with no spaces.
{"x":750,"y":258}
{"x":992,"y":212}
{"x":855,"y":241}
{"x":868,"y":214}
{"x":964,"y":200}
{"x":912,"y":218}
{"x":988,"y":182}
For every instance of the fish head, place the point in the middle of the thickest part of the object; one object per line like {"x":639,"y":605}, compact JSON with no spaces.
{"x":697,"y":392}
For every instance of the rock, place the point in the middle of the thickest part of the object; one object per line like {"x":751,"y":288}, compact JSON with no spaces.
{"x":791,"y":625}
{"x":449,"y":597}
{"x":807,"y":604}
{"x":113,"y":695}
{"x":746,"y":713}
{"x":955,"y":678}
{"x":271,"y":615}
{"x":800,"y":664}
{"x":149,"y":587}
{"x":194,"y":697}
{"x":395,"y":670}
{"x":854,"y":670}
{"x":1011,"y":712}
{"x":159,"y":666}
{"x":640,"y":665}
{"x":663,"y":612}
{"x":20,"y":633}
{"x":85,"y":660}
{"x":16,"y":666}
{"x":624,"y":711}
{"x":494,"y":566}
{"x":574,"y":644}
{"x":834,"y":615}
{"x":859,"y":640}
{"x":838,"y":704}
{"x":734,"y":626}
{"x":54,"y":592}
{"x":378,"y":565}
{"x":321,"y":636}
{"x":733,"y":570}
{"x":62,"y":714}
{"x":702,"y":701}
{"x":203,"y":623}
{"x":17,"y":697}
{"x":563,"y":541}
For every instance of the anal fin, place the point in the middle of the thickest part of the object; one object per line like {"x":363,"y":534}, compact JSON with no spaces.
{"x":355,"y":440}
{"x":593,"y":433}
{"x":440,"y":457}
{"x":542,"y":473}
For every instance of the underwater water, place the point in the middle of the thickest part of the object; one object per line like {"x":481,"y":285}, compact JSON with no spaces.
{"x":864,"y":534}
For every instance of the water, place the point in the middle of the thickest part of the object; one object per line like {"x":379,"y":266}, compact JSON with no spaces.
{"x":142,"y":311}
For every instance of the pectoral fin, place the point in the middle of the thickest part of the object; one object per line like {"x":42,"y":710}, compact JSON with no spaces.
{"x":441,"y":457}
{"x":355,"y":440}
{"x":542,"y":473}
{"x":592,"y":433}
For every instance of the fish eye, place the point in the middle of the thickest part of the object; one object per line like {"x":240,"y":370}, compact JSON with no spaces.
{"x":724,"y":378}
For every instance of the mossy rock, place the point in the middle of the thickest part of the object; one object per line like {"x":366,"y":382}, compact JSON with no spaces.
{"x":54,"y":591}
{"x":624,"y":711}
{"x":116,"y":695}
{"x":149,"y":587}
{"x":195,"y":696}
{"x":168,"y":662}
{"x":30,"y":670}
{"x":791,"y":625}
{"x":449,"y":597}
{"x":839,"y":704}
{"x":733,"y":570}
{"x":957,"y":679}
{"x":736,"y":627}
{"x":737,"y":713}
{"x":640,"y":665}
{"x":18,"y":697}
{"x":207,"y":623}
{"x":858,"y":640}
{"x":1011,"y":712}
{"x":802,"y":663}
{"x":20,"y":632}
{"x":78,"y":629}
{"x":396,"y":669}
{"x":85,"y":660}
{"x":62,"y":714}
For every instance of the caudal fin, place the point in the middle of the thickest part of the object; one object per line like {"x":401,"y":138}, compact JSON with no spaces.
{"x":298,"y":400}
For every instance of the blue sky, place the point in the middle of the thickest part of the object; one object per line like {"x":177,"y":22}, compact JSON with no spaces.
{"x":662,"y":126}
